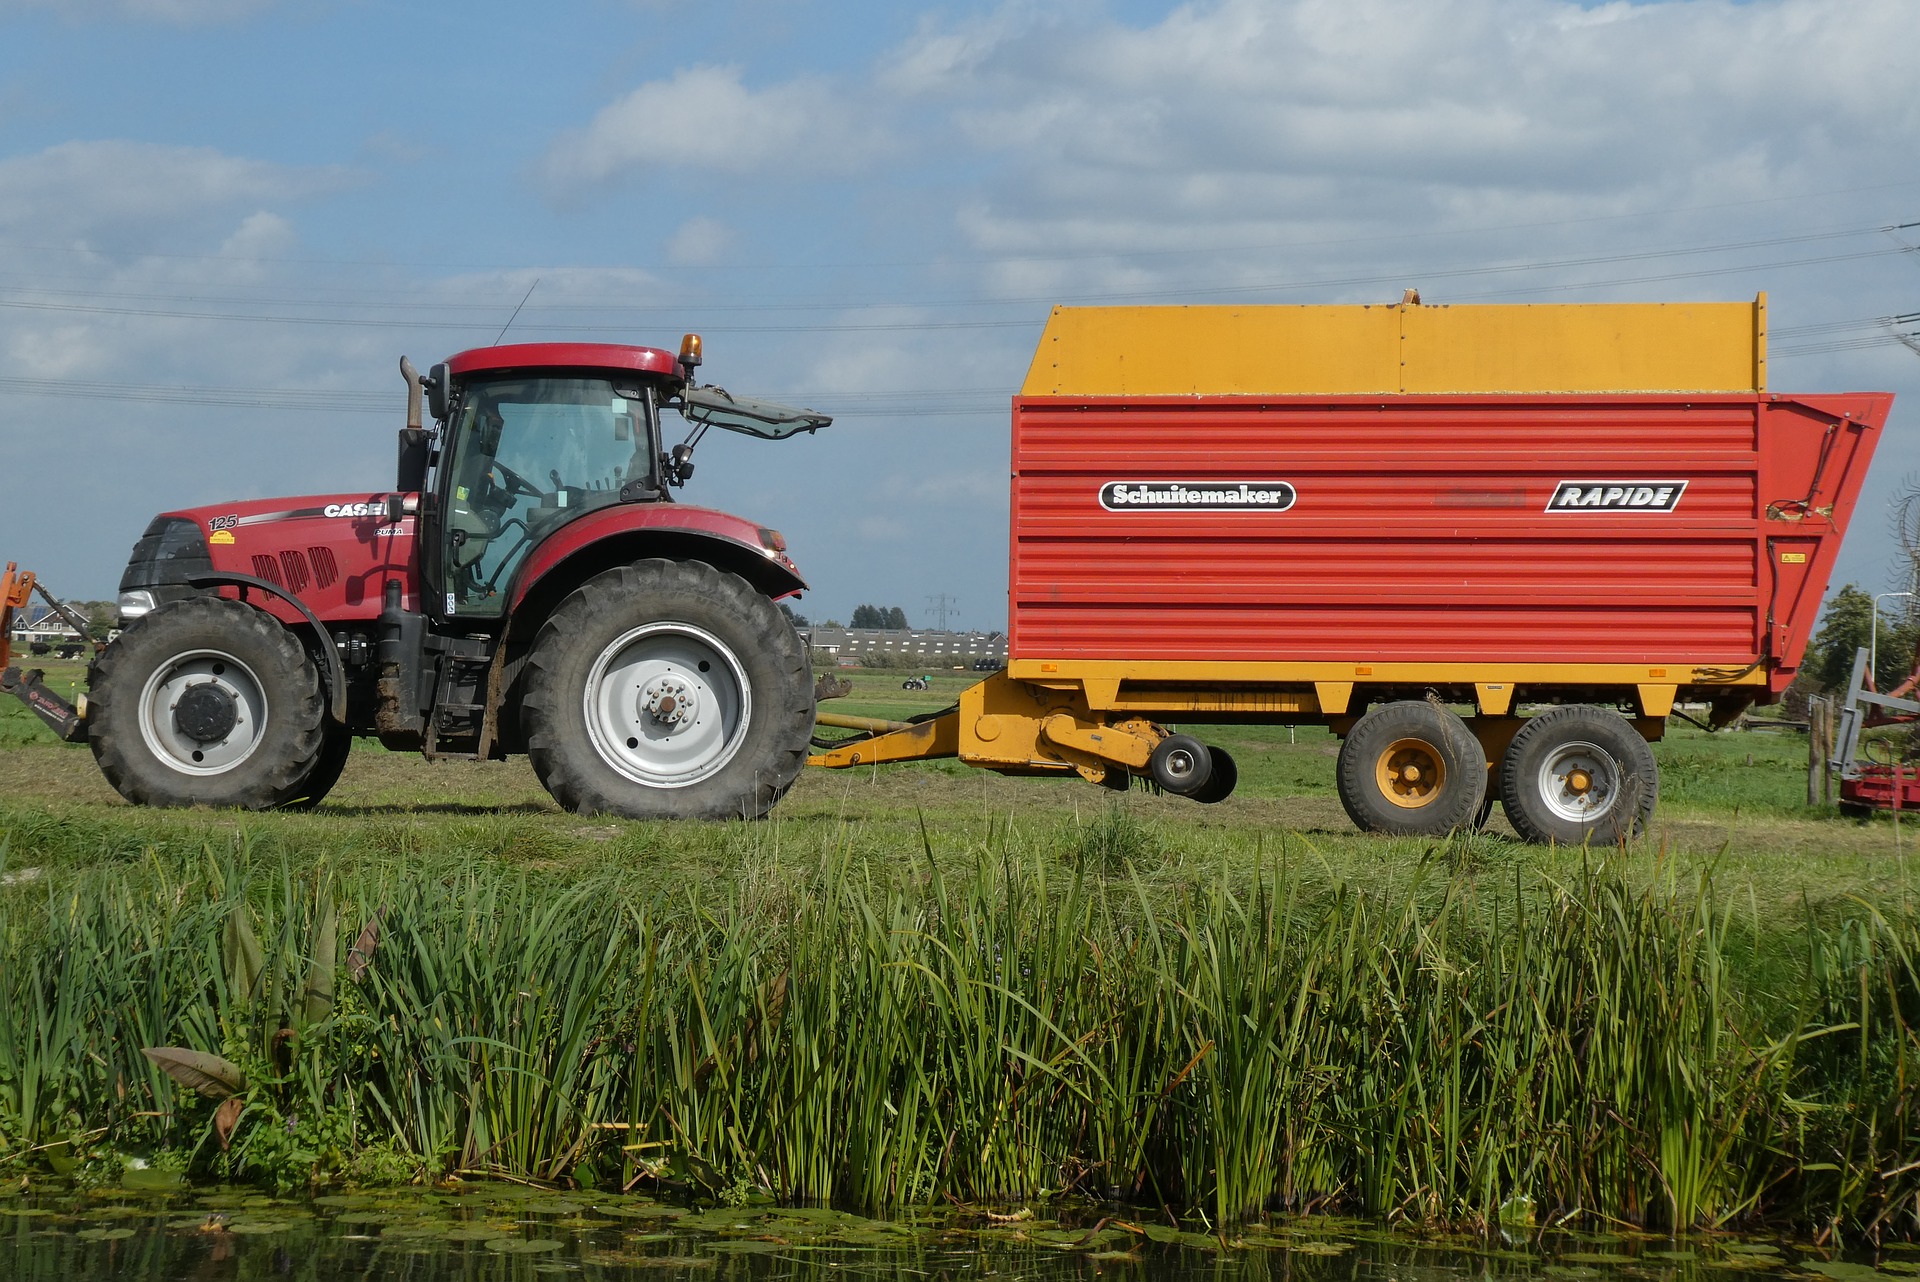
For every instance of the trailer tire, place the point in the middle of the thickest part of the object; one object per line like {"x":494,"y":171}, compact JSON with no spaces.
{"x":668,"y":690}
{"x":1411,"y":769}
{"x":1578,"y":774}
{"x":1181,"y":765}
{"x":253,"y":732}
{"x":1221,"y":779}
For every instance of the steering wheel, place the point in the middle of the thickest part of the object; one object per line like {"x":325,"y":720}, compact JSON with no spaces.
{"x":516,"y":483}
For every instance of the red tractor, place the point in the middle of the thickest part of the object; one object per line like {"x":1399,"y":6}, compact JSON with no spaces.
{"x":530,"y":586}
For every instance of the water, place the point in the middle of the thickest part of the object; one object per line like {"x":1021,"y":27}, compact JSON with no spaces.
{"x":509,"y":1232}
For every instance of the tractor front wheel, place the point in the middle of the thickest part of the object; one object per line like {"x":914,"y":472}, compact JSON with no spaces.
{"x":206,"y":702}
{"x":668,"y":690}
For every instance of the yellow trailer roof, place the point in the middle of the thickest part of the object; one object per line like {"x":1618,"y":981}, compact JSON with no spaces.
{"x":1362,"y":350}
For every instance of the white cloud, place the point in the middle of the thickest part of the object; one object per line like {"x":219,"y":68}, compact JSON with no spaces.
{"x":1382,"y":112}
{"x":700,"y":242}
{"x":705,"y":117}
{"x":78,"y":190}
{"x":180,"y":13}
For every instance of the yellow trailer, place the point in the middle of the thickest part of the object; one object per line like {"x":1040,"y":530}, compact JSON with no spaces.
{"x":1563,"y":519}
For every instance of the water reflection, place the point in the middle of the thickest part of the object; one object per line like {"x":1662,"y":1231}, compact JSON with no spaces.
{"x":489,"y":1233}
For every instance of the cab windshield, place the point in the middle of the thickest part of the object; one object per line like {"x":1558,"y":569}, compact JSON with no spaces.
{"x":525,"y":454}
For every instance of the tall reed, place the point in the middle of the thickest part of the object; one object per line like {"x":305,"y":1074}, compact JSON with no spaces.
{"x":1458,"y":1050}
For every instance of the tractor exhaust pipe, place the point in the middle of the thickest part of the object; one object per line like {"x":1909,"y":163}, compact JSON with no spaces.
{"x":411,"y":475}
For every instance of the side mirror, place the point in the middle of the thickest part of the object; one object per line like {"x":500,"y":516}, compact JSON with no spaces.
{"x":411,"y":475}
{"x":437,"y":383}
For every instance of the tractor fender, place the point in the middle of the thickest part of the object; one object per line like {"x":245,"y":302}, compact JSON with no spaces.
{"x":622,"y":535}
{"x":598,"y":542}
{"x":322,"y":645}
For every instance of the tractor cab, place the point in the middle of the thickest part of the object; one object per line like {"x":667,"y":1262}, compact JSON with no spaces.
{"x":533,"y":436}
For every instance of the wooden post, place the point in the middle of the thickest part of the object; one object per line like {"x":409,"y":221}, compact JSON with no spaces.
{"x":1813,"y":753}
{"x":1828,"y":716}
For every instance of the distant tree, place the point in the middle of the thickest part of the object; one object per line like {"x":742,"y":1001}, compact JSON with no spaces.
{"x":1847,"y":628}
{"x":794,"y":616}
{"x":883,"y":617}
{"x":102,"y":616}
{"x":833,"y":623}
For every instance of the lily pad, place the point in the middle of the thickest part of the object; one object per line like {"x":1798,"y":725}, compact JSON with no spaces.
{"x":640,"y":1210}
{"x":260,"y":1228}
{"x":524,"y":1246}
{"x":106,"y":1235}
{"x":476,"y":1233}
{"x":1843,"y":1271}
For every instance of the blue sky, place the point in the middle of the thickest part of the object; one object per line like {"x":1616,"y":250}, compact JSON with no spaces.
{"x":222,"y":221}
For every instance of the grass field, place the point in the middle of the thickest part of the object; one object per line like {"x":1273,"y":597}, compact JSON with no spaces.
{"x":1731,"y":801}
{"x":925,"y":981}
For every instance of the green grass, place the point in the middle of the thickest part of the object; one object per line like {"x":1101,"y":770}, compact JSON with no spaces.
{"x":1000,"y":1025}
{"x":922,"y":981}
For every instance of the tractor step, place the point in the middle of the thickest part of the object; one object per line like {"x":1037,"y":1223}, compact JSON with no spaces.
{"x":458,"y":728}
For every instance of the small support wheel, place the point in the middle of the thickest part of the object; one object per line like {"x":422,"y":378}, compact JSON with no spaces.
{"x":1578,"y":774}
{"x":1219,"y":785}
{"x":1181,"y":764}
{"x":1412,"y":769}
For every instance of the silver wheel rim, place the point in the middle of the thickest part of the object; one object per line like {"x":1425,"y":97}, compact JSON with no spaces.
{"x":667,"y":705}
{"x":1579,"y":782}
{"x":161,"y":732}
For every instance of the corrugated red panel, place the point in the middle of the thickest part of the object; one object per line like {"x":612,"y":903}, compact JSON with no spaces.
{"x":1420,"y":531}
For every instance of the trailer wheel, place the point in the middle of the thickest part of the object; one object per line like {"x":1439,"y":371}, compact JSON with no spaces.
{"x":206,"y":702}
{"x":1180,"y":764}
{"x":1578,"y":774}
{"x":1411,"y":769}
{"x":668,"y":690}
{"x":1221,"y":779}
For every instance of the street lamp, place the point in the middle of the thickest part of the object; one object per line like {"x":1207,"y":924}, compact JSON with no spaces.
{"x":1873,"y":645}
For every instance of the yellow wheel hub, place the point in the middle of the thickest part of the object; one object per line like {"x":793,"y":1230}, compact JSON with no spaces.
{"x":1410,"y":773}
{"x":1579,"y":782}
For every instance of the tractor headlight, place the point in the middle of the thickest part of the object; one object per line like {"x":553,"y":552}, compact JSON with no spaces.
{"x":135,"y":603}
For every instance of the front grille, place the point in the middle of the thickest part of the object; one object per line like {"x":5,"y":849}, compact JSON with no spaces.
{"x":294,"y":563}
{"x":324,"y":569}
{"x":171,"y":549}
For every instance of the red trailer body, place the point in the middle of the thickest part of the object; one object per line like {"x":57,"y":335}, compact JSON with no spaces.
{"x":1425,"y":529}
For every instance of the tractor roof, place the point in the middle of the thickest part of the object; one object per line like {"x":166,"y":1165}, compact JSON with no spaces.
{"x":608,"y":356}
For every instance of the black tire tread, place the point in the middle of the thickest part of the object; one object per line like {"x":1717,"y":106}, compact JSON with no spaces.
{"x":264,"y":781}
{"x":765,"y":767}
{"x":1411,"y":718}
{"x":1605,"y":729}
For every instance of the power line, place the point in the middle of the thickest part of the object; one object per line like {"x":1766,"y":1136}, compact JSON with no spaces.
{"x":491,"y":305}
{"x":1825,"y":195}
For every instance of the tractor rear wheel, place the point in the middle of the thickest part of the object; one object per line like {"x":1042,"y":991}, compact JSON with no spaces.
{"x":1577,"y":774}
{"x":335,"y":744}
{"x":668,"y":690}
{"x":1412,"y":769}
{"x":206,"y":702}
